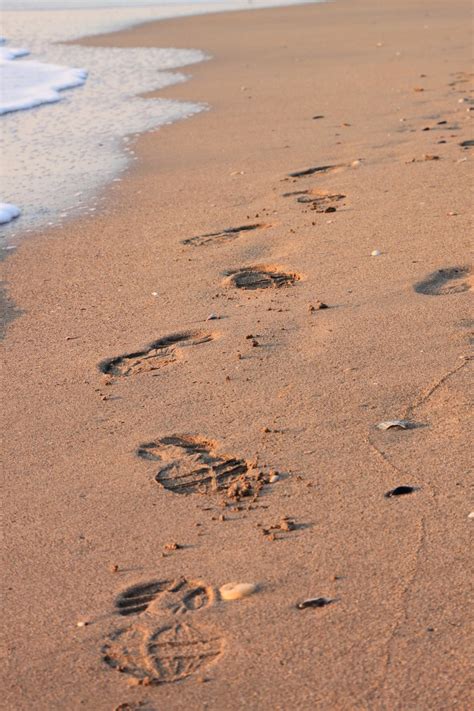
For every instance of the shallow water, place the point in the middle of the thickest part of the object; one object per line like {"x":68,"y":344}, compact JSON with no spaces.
{"x":56,"y":157}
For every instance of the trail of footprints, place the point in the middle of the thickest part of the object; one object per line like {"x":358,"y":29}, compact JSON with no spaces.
{"x":157,"y":643}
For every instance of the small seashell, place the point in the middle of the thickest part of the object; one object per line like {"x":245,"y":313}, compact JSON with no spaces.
{"x":394,"y":424}
{"x":375,"y":253}
{"x":212,"y":317}
{"x":356,"y":163}
{"x":236,"y":591}
{"x":273,"y":478}
{"x":471,"y":515}
{"x":314,"y":602}
{"x":82,"y":623}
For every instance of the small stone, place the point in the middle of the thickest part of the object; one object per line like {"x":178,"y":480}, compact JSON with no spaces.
{"x":173,"y":546}
{"x":113,"y":568}
{"x":287,"y":524}
{"x":314,"y":602}
{"x":319,"y":305}
{"x":400,"y":491}
{"x":212,"y":317}
{"x":471,"y":515}
{"x":82,"y":623}
{"x":375,"y":253}
{"x":236,"y":591}
{"x":273,"y":478}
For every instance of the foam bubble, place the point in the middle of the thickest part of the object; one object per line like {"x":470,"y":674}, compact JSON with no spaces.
{"x":29,"y":83}
{"x":8,"y":212}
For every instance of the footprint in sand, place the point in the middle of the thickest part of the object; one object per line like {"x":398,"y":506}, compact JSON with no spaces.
{"x":316,"y":169}
{"x":259,"y":277}
{"x":167,"y":651}
{"x":164,"y":654}
{"x":156,"y":355}
{"x":317,"y":200}
{"x":176,"y":596}
{"x":191,"y":465}
{"x":450,"y":280}
{"x":226,"y":235}
{"x":323,"y":169}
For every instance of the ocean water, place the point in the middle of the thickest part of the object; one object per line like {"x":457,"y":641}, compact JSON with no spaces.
{"x":69,"y":114}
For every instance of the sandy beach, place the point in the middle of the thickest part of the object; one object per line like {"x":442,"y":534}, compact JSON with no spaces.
{"x":194,"y":376}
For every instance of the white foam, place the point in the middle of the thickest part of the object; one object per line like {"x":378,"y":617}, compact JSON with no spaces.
{"x":29,"y":83}
{"x":76,"y":145}
{"x":8,"y":212}
{"x":7,"y":53}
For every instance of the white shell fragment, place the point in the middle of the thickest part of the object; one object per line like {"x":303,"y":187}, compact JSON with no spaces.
{"x":236,"y":591}
{"x":394,"y":424}
{"x":471,"y":515}
{"x":375,"y":253}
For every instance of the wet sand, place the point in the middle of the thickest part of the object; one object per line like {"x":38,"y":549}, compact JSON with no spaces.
{"x":153,"y":454}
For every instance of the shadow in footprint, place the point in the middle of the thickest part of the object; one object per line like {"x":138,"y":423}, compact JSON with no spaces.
{"x":156,"y":355}
{"x":192,"y":465}
{"x":160,"y":655}
{"x":177,"y":596}
{"x":259,"y":277}
{"x":451,"y":280}
{"x":315,"y":169}
{"x":229,"y":233}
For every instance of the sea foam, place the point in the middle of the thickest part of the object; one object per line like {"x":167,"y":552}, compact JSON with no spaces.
{"x":59,"y":154}
{"x":8,"y":212}
{"x":26,"y":84}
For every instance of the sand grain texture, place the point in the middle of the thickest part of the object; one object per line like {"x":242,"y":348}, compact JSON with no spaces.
{"x":276,"y":385}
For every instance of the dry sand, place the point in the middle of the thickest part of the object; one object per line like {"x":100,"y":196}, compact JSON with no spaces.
{"x":84,"y":517}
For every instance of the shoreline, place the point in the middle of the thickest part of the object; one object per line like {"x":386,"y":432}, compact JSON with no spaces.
{"x":32,"y":198}
{"x":86,"y":518}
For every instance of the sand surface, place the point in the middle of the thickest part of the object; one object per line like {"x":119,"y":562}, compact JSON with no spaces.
{"x":179,"y":442}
